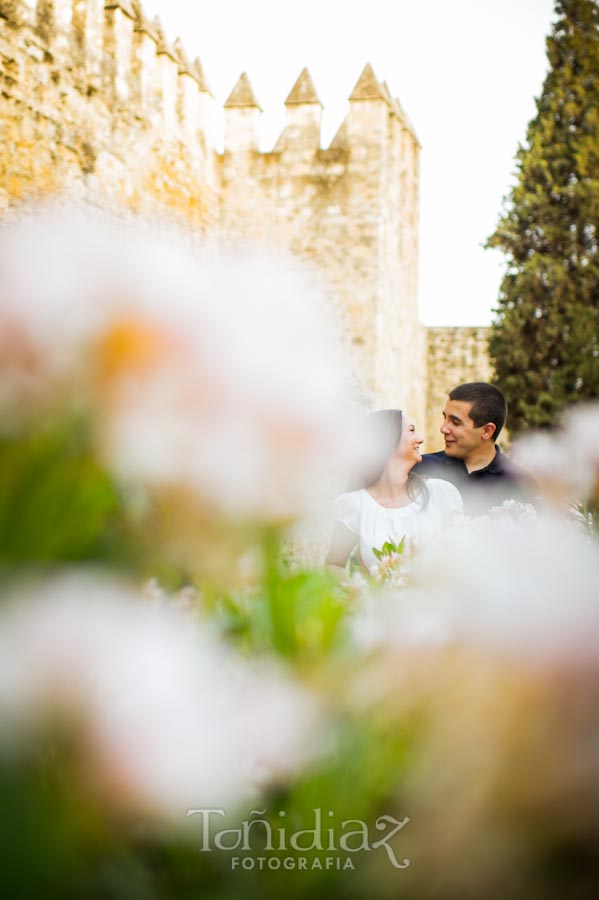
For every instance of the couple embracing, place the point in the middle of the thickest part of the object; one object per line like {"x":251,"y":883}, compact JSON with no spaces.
{"x":406,"y":494}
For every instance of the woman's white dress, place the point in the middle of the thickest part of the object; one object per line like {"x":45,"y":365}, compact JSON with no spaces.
{"x":374,"y":524}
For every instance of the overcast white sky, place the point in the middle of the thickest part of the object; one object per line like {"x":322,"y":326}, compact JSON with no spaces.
{"x":466,"y":72}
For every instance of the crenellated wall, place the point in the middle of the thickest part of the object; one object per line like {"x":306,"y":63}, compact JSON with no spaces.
{"x":96,"y":103}
{"x":350,"y":209}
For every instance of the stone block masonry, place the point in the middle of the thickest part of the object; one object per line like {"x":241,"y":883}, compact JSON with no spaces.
{"x":95,"y":103}
{"x":455,"y":355}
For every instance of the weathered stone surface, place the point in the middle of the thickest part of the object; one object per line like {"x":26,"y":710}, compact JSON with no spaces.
{"x":455,"y":355}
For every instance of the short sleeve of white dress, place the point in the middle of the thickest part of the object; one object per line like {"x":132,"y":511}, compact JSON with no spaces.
{"x":348,"y":511}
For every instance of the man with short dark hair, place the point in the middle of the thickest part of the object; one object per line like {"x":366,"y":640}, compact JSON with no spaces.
{"x":473,"y":417}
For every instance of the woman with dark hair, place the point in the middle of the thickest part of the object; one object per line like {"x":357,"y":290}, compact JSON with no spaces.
{"x":387,"y":501}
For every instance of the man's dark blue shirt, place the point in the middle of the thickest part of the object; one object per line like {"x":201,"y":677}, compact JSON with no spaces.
{"x":483,"y":488}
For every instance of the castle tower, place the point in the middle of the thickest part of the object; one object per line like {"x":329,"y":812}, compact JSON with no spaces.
{"x":346,"y":210}
{"x":383,"y":308}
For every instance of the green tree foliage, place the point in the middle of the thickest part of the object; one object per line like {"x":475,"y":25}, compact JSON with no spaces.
{"x":545,"y":339}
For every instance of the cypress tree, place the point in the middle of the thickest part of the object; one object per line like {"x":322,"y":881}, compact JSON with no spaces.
{"x":545,"y":339}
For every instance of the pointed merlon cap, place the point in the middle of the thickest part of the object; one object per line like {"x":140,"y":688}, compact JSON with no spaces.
{"x":367,"y":87}
{"x":163,"y":46}
{"x":404,"y":118}
{"x":138,"y":11}
{"x":198,"y":71}
{"x":143,"y":24}
{"x":126,"y":6}
{"x":179,"y":50}
{"x":387,"y":93}
{"x":185,"y":68}
{"x":411,"y":129}
{"x":396,"y":107}
{"x":303,"y":91}
{"x":158,"y":30}
{"x":242,"y":95}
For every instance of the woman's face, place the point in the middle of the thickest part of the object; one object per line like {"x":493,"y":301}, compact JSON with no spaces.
{"x":408,"y":448}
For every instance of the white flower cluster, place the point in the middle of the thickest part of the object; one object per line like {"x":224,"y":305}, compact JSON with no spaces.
{"x":565,"y":461}
{"x":495,"y":585}
{"x":167,"y":718}
{"x":514,"y":511}
{"x":393,"y":568}
{"x":218,"y":375}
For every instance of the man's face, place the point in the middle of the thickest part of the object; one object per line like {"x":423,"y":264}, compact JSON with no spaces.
{"x":462,"y":438}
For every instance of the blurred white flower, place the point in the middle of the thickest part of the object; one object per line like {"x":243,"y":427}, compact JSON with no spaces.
{"x":392,"y":570}
{"x":581,"y":431}
{"x":221,"y":376}
{"x":514,"y":511}
{"x":167,"y":718}
{"x":495,"y":585}
{"x":394,"y":561}
{"x":398,"y":619}
{"x":565,"y":462}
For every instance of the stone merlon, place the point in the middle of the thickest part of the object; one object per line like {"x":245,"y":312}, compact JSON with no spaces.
{"x":242,"y":95}
{"x":368,"y":87}
{"x":125,"y":6}
{"x":143,"y":25}
{"x":303,"y":91}
{"x":200,"y":77}
{"x":164,"y":48}
{"x":185,"y":67}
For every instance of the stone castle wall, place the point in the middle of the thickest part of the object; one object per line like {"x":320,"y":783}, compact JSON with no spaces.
{"x":351,"y":210}
{"x":95,"y":103}
{"x":455,"y":355}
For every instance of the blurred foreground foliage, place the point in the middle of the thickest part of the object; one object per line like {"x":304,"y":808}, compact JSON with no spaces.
{"x":161,"y":653}
{"x":398,"y":745}
{"x":297,"y":614}
{"x":453,"y":745}
{"x":57,"y":504}
{"x":60,"y":837}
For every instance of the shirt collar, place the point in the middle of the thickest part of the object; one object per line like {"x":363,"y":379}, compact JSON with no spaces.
{"x":496,"y":465}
